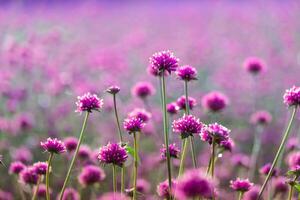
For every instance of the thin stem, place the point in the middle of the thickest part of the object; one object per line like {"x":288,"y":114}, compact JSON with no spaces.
{"x":183,"y":155}
{"x":74,"y":156}
{"x":117,"y":118}
{"x":165,"y":126}
{"x":123,"y":179}
{"x":292,"y":189}
{"x":114,"y":178}
{"x":240,"y":195}
{"x":47,"y":176}
{"x":135,"y":166}
{"x":37,"y":188}
{"x":255,"y":152}
{"x":212,"y":164}
{"x":281,"y":147}
{"x":19,"y":188}
{"x":193,"y":151}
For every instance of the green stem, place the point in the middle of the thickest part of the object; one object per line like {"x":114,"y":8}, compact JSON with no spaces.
{"x":37,"y":188}
{"x":47,"y":176}
{"x":281,"y":147}
{"x":114,"y":178}
{"x":135,"y":171}
{"x":74,"y":156}
{"x":19,"y":188}
{"x":255,"y":152}
{"x":212,"y":164}
{"x":183,"y":155}
{"x":123,"y":179}
{"x":290,"y":196}
{"x":165,"y":126}
{"x":240,"y":195}
{"x":117,"y":118}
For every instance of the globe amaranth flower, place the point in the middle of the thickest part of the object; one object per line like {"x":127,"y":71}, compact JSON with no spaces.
{"x":240,"y":160}
{"x":214,"y":101}
{"x":241,"y":185}
{"x":71,"y":143}
{"x":252,"y":194}
{"x":53,"y":145}
{"x":292,"y":144}
{"x":215,"y":132}
{"x":143,"y":186}
{"x":172,"y":108}
{"x":280,"y":185}
{"x":186,"y":73}
{"x":194,"y":184}
{"x":264,"y":170}
{"x":254,"y":65}
{"x":143,"y":89}
{"x":133,"y":124}
{"x":142,"y":114}
{"x":71,"y":194}
{"x":40,"y":167}
{"x":113,"y":196}
{"x":29,"y":176}
{"x":88,"y":102}
{"x":41,"y":192}
{"x":22,"y":154}
{"x":227,"y":145}
{"x":90,"y":175}
{"x":173,"y":149}
{"x":294,"y":161}
{"x":261,"y":118}
{"x":292,"y":96}
{"x":113,"y":153}
{"x":163,"y":189}
{"x":163,"y":61}
{"x":187,"y":126}
{"x":181,"y":102}
{"x":16,"y":167}
{"x":113,"y":89}
{"x":84,"y":152}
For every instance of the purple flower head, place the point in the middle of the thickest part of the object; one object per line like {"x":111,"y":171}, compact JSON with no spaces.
{"x":113,"y":196}
{"x":240,"y":160}
{"x":53,"y":146}
{"x":266,"y":169}
{"x":294,"y":161}
{"x":71,"y":194}
{"x":29,"y":176}
{"x":254,"y":65}
{"x":84,"y":152}
{"x":215,"y":132}
{"x":142,"y":114}
{"x":40,"y":167}
{"x":241,"y":185}
{"x":261,"y":118}
{"x":22,"y":154}
{"x":252,"y":194}
{"x":143,"y":186}
{"x":16,"y":167}
{"x":143,"y":89}
{"x":91,"y":174}
{"x":186,"y":73}
{"x":41,"y":191}
{"x":181,"y":102}
{"x":280,"y":185}
{"x":172,"y":108}
{"x":214,"y":101}
{"x":194,"y":184}
{"x":187,"y":125}
{"x":227,"y":145}
{"x":113,"y":89}
{"x":133,"y":124}
{"x":291,"y":96}
{"x":163,"y":61}
{"x":71,"y":143}
{"x":292,"y":144}
{"x":5,"y":195}
{"x":163,"y":189}
{"x":88,"y":102}
{"x":113,"y":153}
{"x":173,"y":149}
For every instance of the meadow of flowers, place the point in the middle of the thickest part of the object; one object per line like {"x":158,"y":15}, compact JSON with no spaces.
{"x":150,"y":100}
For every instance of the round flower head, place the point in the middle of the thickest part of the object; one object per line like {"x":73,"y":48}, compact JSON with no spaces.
{"x":41,"y":191}
{"x":163,"y":61}
{"x":16,"y":167}
{"x":292,"y":144}
{"x":252,"y":194}
{"x":143,"y":89}
{"x":214,"y":101}
{"x":163,"y":189}
{"x":292,"y":96}
{"x":22,"y":154}
{"x":29,"y":175}
{"x":215,"y":132}
{"x":261,"y":118}
{"x":88,"y":102}
{"x":173,"y":149}
{"x":187,"y":125}
{"x":266,"y":169}
{"x":113,"y":196}
{"x":241,"y":185}
{"x":113,"y":89}
{"x":186,"y":73}
{"x":90,"y":175}
{"x":143,"y":186}
{"x":181,"y":102}
{"x":71,"y":143}
{"x":280,"y":185}
{"x":194,"y":184}
{"x":40,"y":167}
{"x":254,"y":65}
{"x":172,"y":108}
{"x":71,"y":194}
{"x":53,"y":146}
{"x":227,"y":145}
{"x":294,"y":161}
{"x":142,"y":114}
{"x":113,"y":153}
{"x":84,"y":152}
{"x":240,"y":160}
{"x":133,"y":124}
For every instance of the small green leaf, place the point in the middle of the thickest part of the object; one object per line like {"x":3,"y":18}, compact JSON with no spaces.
{"x":130,"y":150}
{"x":297,"y":187}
